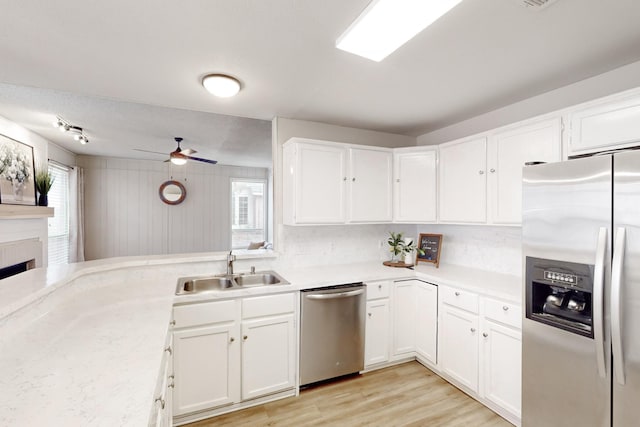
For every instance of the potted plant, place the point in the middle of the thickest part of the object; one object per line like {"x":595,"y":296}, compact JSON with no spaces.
{"x":400,"y":247}
{"x":44,"y":181}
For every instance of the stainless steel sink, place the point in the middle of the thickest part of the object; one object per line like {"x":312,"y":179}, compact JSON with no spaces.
{"x":258,"y":279}
{"x":194,"y":285}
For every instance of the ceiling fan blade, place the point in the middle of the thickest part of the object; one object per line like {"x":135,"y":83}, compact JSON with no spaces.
{"x":147,"y":151}
{"x":200,"y":159}
{"x":188,"y":151}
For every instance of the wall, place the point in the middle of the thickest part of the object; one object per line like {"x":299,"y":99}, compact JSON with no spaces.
{"x":618,"y":80}
{"x":17,"y":132}
{"x":319,"y":245}
{"x":490,"y":248}
{"x":124,"y":215}
{"x":61,"y":155}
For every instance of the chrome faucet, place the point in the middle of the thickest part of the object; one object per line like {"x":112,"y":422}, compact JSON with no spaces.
{"x":230,"y":258}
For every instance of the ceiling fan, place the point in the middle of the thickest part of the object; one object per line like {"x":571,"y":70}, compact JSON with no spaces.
{"x":180,"y":156}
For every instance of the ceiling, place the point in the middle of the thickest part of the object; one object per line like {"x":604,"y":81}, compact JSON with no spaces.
{"x":481,"y":56}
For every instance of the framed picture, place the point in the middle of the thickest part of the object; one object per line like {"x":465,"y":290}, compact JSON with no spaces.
{"x":431,"y":245}
{"x":17,"y":173}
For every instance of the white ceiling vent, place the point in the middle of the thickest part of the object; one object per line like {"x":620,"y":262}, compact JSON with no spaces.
{"x":535,"y":4}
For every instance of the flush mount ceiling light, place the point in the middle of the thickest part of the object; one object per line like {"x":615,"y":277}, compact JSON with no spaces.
{"x":76,"y":131}
{"x":385,"y":25}
{"x":221,"y":85}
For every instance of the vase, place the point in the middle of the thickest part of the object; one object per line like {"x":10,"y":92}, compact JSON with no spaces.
{"x":18,"y":190}
{"x":43,"y":200}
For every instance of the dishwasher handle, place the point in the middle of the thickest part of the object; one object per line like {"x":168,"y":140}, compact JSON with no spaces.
{"x":335,"y":295}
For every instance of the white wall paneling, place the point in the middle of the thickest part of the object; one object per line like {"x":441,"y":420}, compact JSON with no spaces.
{"x":125,"y":216}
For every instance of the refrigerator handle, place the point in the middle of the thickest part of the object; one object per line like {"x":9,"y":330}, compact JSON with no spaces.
{"x":598,"y":300}
{"x":616,"y":313}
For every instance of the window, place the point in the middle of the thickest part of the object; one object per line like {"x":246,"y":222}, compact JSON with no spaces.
{"x":59,"y":224}
{"x":247,"y":212}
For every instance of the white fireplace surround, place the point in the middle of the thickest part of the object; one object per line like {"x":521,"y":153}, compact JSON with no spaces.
{"x":12,"y":253}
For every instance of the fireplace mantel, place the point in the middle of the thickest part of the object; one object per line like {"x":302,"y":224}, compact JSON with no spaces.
{"x":24,"y":212}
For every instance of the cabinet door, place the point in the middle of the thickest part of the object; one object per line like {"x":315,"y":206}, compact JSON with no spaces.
{"x":376,"y":347}
{"x":207,"y":367}
{"x":268,"y":355}
{"x":462,"y":185}
{"x":415,"y":186}
{"x":508,"y":152}
{"x":426,"y":321}
{"x":501,"y":367}
{"x":459,"y":346}
{"x":608,"y":125}
{"x":404,"y":317}
{"x":320,"y":184}
{"x":370,"y":181}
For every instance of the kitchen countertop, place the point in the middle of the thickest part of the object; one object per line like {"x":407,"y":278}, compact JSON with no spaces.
{"x":81,"y":345}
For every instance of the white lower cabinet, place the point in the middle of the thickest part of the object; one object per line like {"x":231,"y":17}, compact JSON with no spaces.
{"x":426,"y":296}
{"x":268,"y":349}
{"x":227,"y":352}
{"x":207,"y":367}
{"x":459,"y":346}
{"x":377,"y":326}
{"x":404,"y":317}
{"x":376,"y":349}
{"x":501,"y":346}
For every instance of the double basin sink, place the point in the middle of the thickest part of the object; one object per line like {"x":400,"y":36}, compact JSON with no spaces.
{"x":223,"y":282}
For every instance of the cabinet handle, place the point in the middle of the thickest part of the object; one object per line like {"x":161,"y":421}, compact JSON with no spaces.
{"x":168,"y":349}
{"x":161,"y":400}
{"x":344,"y":179}
{"x":473,"y":330}
{"x":353,"y":179}
{"x":232,"y":339}
{"x":379,"y":287}
{"x":369,"y":314}
{"x":398,"y":180}
{"x":172,"y":385}
{"x":457,"y":294}
{"x":481,"y":172}
{"x":505,"y":307}
{"x":492,"y":170}
{"x":172,"y":323}
{"x":245,"y":337}
{"x":484,"y":334}
{"x":171,"y":376}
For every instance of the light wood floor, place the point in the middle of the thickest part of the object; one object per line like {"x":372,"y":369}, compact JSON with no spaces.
{"x":403,"y":395}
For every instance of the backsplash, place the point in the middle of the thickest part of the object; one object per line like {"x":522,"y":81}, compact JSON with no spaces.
{"x":497,"y":249}
{"x":305,"y":246}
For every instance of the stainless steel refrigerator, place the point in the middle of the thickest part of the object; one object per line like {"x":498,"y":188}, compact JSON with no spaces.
{"x":581,"y":326}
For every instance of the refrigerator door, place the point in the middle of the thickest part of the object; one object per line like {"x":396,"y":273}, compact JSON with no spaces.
{"x":625,"y":304}
{"x":566,"y":213}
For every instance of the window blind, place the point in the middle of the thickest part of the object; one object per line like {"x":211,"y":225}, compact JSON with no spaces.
{"x":59,"y":223}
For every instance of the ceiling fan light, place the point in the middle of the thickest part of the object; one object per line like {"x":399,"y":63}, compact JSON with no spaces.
{"x":178,"y":161}
{"x":221,"y":85}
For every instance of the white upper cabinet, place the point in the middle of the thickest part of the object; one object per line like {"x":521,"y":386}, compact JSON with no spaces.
{"x":331,"y":183}
{"x":414,"y":191}
{"x":605,"y":124}
{"x":508,"y":151}
{"x":462,"y":191}
{"x":370,"y":185}
{"x":314,"y":183}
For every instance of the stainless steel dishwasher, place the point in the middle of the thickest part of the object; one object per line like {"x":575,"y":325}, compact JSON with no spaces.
{"x":331,"y":332}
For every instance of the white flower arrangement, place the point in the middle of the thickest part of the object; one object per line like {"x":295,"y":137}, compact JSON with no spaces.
{"x":14,"y":165}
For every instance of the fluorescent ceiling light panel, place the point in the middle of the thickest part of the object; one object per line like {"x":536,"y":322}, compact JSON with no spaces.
{"x":385,"y":25}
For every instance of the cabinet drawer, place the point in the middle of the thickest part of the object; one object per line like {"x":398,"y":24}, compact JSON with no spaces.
{"x":503,"y":312}
{"x":268,"y":305}
{"x":377,"y":290}
{"x":461,"y":299}
{"x":205,"y":313}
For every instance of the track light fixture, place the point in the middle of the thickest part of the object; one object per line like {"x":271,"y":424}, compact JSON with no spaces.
{"x":76,"y":131}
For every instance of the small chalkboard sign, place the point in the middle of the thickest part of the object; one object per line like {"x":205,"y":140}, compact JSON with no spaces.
{"x":430,"y":244}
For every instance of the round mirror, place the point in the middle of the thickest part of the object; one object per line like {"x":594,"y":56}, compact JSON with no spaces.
{"x":172,"y":192}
